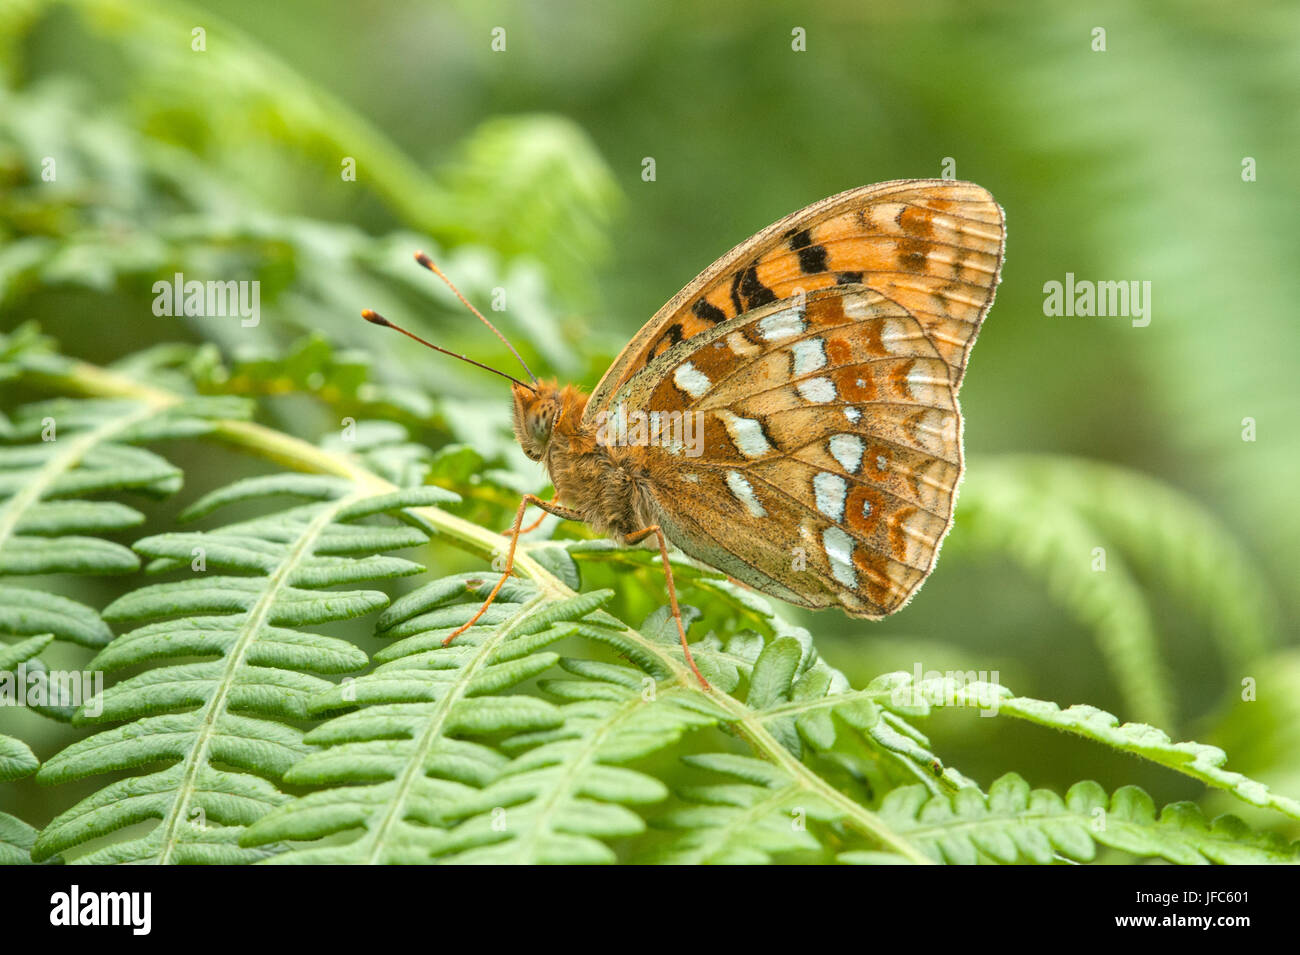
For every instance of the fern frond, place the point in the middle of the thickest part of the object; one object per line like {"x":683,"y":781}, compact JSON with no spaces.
{"x":567,"y":793}
{"x":224,"y":725}
{"x":1196,"y":760}
{"x":757,"y":815}
{"x":519,"y":181}
{"x":794,"y":694}
{"x":56,"y":457}
{"x":74,"y":448}
{"x":761,"y":813}
{"x":412,"y":756}
{"x":1050,"y":513}
{"x":1014,"y":824}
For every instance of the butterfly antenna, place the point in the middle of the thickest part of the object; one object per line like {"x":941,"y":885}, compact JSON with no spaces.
{"x":376,"y":319}
{"x":429,"y":264}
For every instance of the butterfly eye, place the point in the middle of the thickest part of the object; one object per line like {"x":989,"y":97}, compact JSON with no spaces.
{"x":539,"y":425}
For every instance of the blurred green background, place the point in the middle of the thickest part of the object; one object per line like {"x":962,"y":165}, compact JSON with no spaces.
{"x":522,"y":169}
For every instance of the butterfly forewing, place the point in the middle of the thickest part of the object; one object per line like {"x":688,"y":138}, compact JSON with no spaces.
{"x":933,"y":246}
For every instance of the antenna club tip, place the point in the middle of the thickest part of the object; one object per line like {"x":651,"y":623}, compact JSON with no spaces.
{"x":423,"y":259}
{"x":373,"y":317}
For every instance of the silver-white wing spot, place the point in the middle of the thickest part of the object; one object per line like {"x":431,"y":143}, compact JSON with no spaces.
{"x":809,"y":356}
{"x":816,"y":391}
{"x":744,"y":493}
{"x":781,"y":325}
{"x":830,"y":491}
{"x":746,"y":433}
{"x":839,"y":554}
{"x":847,"y":449}
{"x":742,"y":346}
{"x":691,"y":380}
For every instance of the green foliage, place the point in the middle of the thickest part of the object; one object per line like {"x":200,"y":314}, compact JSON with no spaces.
{"x":1262,"y":728}
{"x":505,"y":185}
{"x":412,"y":755}
{"x":1013,"y":823}
{"x":45,"y":521}
{"x":224,"y":726}
{"x":16,"y":758}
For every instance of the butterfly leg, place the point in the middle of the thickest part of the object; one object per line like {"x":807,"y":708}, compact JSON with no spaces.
{"x":549,"y":507}
{"x":535,"y":524}
{"x":672,"y":594}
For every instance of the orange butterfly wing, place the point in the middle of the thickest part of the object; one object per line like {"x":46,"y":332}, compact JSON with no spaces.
{"x":934,"y":246}
{"x":831,"y":435}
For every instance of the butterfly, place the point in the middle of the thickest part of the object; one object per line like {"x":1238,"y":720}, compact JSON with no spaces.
{"x":790,"y":417}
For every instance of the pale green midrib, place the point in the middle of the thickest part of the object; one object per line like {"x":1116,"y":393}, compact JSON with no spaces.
{"x":583,"y":756}
{"x":717,"y":837}
{"x":861,"y":818}
{"x":415,"y":766}
{"x":302,"y":455}
{"x":215,"y":708}
{"x":68,"y":455}
{"x":829,"y":702}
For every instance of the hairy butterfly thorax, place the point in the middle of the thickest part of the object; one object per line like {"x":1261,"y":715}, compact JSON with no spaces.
{"x":606,"y":484}
{"x":790,"y":417}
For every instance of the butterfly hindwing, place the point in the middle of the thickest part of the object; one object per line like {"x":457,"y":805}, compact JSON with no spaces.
{"x":829,"y":448}
{"x":933,"y":246}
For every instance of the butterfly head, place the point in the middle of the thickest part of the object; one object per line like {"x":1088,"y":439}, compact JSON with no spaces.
{"x":536,"y":413}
